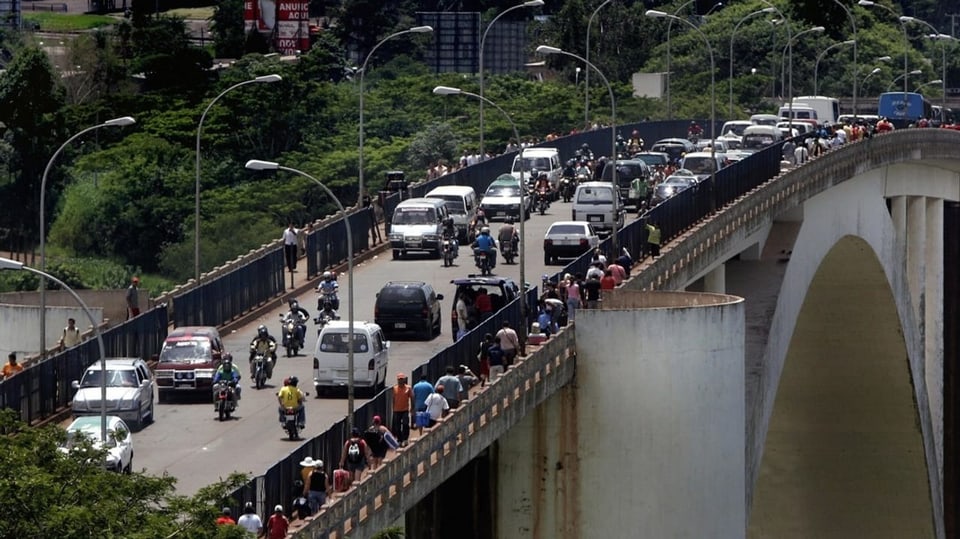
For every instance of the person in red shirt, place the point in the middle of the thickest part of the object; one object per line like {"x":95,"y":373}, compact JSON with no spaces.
{"x":225,"y":519}
{"x":607,"y":282}
{"x":277,"y":524}
{"x":483,"y":304}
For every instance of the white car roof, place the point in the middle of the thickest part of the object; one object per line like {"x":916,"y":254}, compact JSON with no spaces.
{"x":357,"y":325}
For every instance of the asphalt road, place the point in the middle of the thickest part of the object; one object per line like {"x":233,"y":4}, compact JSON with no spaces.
{"x":187,"y":442}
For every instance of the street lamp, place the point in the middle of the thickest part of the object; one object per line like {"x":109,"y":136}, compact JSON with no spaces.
{"x":116,"y":122}
{"x":256,"y":164}
{"x":586,"y":75}
{"x":669,"y":27}
{"x":732,"y":36}
{"x":906,"y":41}
{"x":713,"y":97}
{"x":898,"y":77}
{"x":196,"y":212}
{"x":919,"y":86}
{"x":816,"y":66}
{"x":870,"y":74}
{"x":943,"y":53}
{"x":7,"y":264}
{"x":815,"y":29}
{"x":856,"y":68}
{"x":363,"y":71}
{"x":447,"y":90}
{"x":483,"y":39}
{"x":545,"y":50}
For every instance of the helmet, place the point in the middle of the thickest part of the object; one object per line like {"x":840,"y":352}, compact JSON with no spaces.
{"x":327,"y":275}
{"x":485,"y":230}
{"x":294,"y":304}
{"x":585,"y":146}
{"x":693,"y":122}
{"x":509,"y":220}
{"x":635,"y":133}
{"x":294,"y":381}
{"x":262,"y":331}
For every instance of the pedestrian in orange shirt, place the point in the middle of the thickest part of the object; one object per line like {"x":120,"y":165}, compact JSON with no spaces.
{"x":225,"y":519}
{"x":607,"y":282}
{"x":12,"y":367}
{"x":402,"y":408}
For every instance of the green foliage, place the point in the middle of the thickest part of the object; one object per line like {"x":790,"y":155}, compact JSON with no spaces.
{"x":395,"y":532}
{"x":435,"y":142}
{"x":65,"y":22}
{"x":227,"y":25}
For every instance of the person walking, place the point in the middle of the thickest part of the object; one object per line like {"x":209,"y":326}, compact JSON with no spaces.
{"x":316,"y":486}
{"x":467,"y":380}
{"x":437,"y":406}
{"x":484,"y":358}
{"x":653,"y":239}
{"x":402,"y":408}
{"x":573,"y":297}
{"x":250,"y":521}
{"x":71,"y":335}
{"x":225,"y":519}
{"x":12,"y":367}
{"x":421,"y":390}
{"x":379,"y":440}
{"x":591,"y":292}
{"x":277,"y":524}
{"x":452,"y":385}
{"x":355,"y":455}
{"x":133,"y":298}
{"x":509,"y":343}
{"x":496,"y":358}
{"x":290,"y":247}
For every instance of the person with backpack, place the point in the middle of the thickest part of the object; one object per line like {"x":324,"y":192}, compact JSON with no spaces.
{"x":355,"y":455}
{"x":378,"y":439}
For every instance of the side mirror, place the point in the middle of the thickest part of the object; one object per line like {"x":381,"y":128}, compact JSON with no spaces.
{"x":386,"y":344}
{"x":75,"y":384}
{"x":145,"y":384}
{"x":440,"y":297}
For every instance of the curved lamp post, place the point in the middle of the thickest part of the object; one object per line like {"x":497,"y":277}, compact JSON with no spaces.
{"x":7,"y":264}
{"x":902,"y":76}
{"x":363,"y":71}
{"x":116,"y":122}
{"x":196,"y":211}
{"x":713,"y":95}
{"x":930,"y":83}
{"x":873,"y":72}
{"x":856,"y":67}
{"x":256,"y":164}
{"x":906,"y":40}
{"x":734,"y":35}
{"x":670,"y":27}
{"x":447,"y":90}
{"x":815,"y":29}
{"x":586,"y":75}
{"x":816,"y":65}
{"x":786,"y":23}
{"x":545,"y":50}
{"x":942,"y":38}
{"x":483,"y":39}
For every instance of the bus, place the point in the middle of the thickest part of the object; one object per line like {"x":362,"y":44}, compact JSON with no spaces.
{"x":902,"y":109}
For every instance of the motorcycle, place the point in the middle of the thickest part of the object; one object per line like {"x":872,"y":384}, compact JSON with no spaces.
{"x":693,"y":136}
{"x":224,"y":401}
{"x":327,"y":296}
{"x":324,"y":317}
{"x":567,"y":187}
{"x":290,"y":424}
{"x":543,"y":201}
{"x":508,"y":248}
{"x":292,"y":339}
{"x":482,"y":260}
{"x":260,"y":371}
{"x":449,"y":250}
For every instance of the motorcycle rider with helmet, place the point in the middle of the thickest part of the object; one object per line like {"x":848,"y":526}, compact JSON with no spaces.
{"x":694,"y":131}
{"x":328,"y":288}
{"x":264,"y":344}
{"x":486,"y":245}
{"x":449,"y":232}
{"x":301,"y":315}
{"x":229,"y":372}
{"x":636,"y":141}
{"x":508,"y":234}
{"x":290,"y":396}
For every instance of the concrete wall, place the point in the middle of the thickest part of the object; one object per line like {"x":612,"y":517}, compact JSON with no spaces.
{"x":649,"y":442}
{"x":20,"y":326}
{"x":113,"y":303}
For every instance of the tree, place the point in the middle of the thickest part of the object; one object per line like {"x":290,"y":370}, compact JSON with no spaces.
{"x":227,"y":27}
{"x":435,"y":142}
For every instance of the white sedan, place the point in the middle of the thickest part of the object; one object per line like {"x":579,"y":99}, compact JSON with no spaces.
{"x":119,"y":443}
{"x":568,"y":239}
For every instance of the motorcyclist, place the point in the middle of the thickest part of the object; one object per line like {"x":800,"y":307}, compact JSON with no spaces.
{"x":290,"y":396}
{"x":543,"y":187}
{"x":264,"y":344}
{"x":328,"y":287}
{"x":694,"y":131}
{"x":636,"y":141}
{"x":479,"y":221}
{"x":299,"y":314}
{"x":508,"y":234}
{"x":228,"y":371}
{"x":449,"y":232}
{"x":584,"y":170}
{"x":570,"y":171}
{"x":621,"y":145}
{"x":585,"y":152}
{"x":328,"y":313}
{"x":485,"y":245}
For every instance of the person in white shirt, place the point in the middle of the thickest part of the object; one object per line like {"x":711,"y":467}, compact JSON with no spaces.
{"x":71,"y":335}
{"x":290,"y":247}
{"x":437,"y":405}
{"x":249,"y":520}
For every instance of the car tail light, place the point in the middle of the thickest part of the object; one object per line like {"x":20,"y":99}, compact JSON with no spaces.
{"x":584,"y":242}
{"x":370,"y":365}
{"x":547,"y":243}
{"x":425,"y":312}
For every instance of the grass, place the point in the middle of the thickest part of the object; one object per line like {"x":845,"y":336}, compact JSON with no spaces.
{"x":193,"y":13}
{"x":66,"y":22}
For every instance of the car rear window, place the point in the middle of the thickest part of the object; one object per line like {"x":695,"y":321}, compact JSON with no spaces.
{"x":454,"y":203}
{"x":566,"y":229}
{"x":414,"y":216}
{"x":397,"y":295}
{"x":698,"y":165}
{"x":595,"y":195}
{"x":336,"y":343}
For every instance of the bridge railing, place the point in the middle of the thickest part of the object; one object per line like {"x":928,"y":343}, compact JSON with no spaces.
{"x":43,"y":388}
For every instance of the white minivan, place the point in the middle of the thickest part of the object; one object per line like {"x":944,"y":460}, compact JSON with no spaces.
{"x":543,"y":161}
{"x":370,"y":357}
{"x":417,"y":225}
{"x":462,"y":204}
{"x":594,"y":203}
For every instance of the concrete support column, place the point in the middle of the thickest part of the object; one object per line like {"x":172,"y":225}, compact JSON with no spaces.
{"x":716,"y":280}
{"x":933,"y":321}
{"x":951,"y":362}
{"x":916,"y":240}
{"x":898,"y":213}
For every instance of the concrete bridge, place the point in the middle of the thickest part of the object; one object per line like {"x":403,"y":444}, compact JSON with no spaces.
{"x":822,"y":404}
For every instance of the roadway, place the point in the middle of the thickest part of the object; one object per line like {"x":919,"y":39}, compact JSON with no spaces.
{"x":187,"y":442}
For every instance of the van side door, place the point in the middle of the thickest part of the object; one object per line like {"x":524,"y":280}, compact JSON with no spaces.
{"x":380,"y":353}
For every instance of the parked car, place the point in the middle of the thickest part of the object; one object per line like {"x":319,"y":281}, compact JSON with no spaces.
{"x":671,"y":186}
{"x":118,"y":446}
{"x":371,"y":355}
{"x":502,"y":199}
{"x":502,"y":291}
{"x":188,"y":360}
{"x":408,"y":307}
{"x":568,"y":239}
{"x":129,"y":391}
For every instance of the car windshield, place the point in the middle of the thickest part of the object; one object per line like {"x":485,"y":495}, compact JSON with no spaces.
{"x":453,"y":203}
{"x":413,"y":216}
{"x":336,"y":343}
{"x":736,"y":129}
{"x":698,"y":165}
{"x":652,"y":160}
{"x":189,"y":350}
{"x":757,"y":141}
{"x":595,"y":195}
{"x":503,"y":191}
{"x":566,"y":229}
{"x":530,"y":163}
{"x":401,"y":295}
{"x":115,"y":378}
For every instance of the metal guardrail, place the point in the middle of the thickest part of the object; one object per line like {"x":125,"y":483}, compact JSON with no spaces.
{"x":43,"y":389}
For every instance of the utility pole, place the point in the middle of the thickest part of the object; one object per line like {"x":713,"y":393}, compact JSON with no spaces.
{"x":953,"y":23}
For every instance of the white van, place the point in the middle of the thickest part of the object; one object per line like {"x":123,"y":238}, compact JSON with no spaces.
{"x":544,"y":160}
{"x":757,"y":137}
{"x":371,"y":352}
{"x":764,"y":119}
{"x":461,"y":202}
{"x":416,"y":225}
{"x":828,"y":108}
{"x":594,"y":203}
{"x":798,"y":112}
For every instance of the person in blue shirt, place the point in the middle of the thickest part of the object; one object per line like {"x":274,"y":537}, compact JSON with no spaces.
{"x":421,"y":390}
{"x":486,"y":244}
{"x":545,"y":321}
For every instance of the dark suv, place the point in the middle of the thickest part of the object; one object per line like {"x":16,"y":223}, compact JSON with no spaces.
{"x":408,"y":306}
{"x":501,"y":291}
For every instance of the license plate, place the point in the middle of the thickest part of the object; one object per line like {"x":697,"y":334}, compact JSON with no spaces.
{"x":400,"y":325}
{"x":595,"y":218}
{"x":501,"y":213}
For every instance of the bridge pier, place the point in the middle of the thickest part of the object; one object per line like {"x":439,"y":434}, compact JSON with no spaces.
{"x":951,"y":367}
{"x":459,"y":507}
{"x":716,"y":281}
